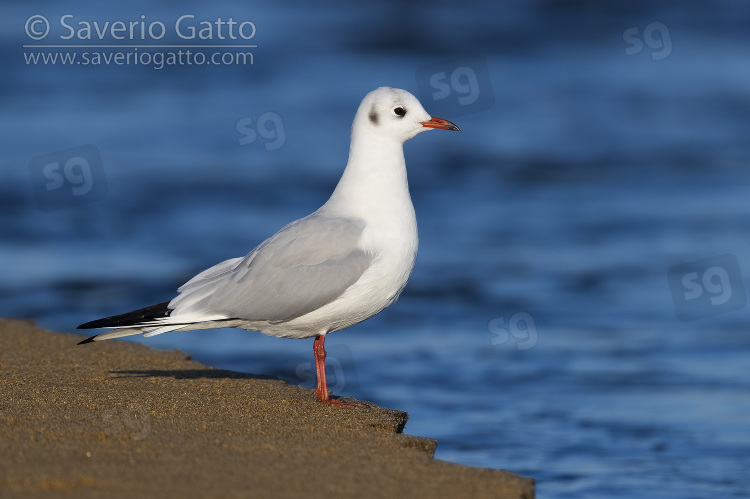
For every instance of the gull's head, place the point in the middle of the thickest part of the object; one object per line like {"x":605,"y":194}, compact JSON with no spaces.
{"x":396,"y":114}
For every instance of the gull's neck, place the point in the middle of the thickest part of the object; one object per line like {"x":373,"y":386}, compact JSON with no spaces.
{"x":374,"y":182}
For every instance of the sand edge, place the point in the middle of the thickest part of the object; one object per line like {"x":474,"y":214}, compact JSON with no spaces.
{"x":119,"y":418}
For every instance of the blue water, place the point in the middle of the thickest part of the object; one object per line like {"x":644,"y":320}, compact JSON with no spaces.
{"x":601,"y":146}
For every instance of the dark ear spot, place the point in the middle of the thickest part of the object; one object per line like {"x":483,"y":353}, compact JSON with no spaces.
{"x":373,"y":116}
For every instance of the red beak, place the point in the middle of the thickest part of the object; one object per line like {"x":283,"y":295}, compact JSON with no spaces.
{"x":439,"y":123}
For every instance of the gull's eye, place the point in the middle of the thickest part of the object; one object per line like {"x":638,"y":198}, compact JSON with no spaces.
{"x":400,"y":112}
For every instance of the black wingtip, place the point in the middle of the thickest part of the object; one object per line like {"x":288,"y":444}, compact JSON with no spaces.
{"x":87,"y":340}
{"x":90,"y":325}
{"x":136,"y":317}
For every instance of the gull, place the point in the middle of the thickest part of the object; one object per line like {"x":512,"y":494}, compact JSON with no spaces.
{"x":332,"y":269}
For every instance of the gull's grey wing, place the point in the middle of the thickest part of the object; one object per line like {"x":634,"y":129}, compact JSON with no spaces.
{"x":304,"y":266}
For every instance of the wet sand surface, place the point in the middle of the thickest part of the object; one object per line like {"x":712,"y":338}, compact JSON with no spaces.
{"x":117,"y":419}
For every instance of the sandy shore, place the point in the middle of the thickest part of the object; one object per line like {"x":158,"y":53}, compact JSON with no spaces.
{"x":117,"y":419}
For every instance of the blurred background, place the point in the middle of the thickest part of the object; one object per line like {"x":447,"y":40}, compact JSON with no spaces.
{"x":578,"y":309}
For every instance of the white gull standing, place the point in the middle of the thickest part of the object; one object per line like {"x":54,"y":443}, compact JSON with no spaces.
{"x":332,"y":269}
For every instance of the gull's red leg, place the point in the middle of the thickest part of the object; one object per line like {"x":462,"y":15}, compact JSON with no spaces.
{"x":320,"y":369}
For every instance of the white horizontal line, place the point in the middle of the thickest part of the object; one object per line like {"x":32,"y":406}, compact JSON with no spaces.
{"x":136,"y":46}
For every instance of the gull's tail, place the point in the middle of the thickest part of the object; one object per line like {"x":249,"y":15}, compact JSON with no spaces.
{"x":117,"y":333}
